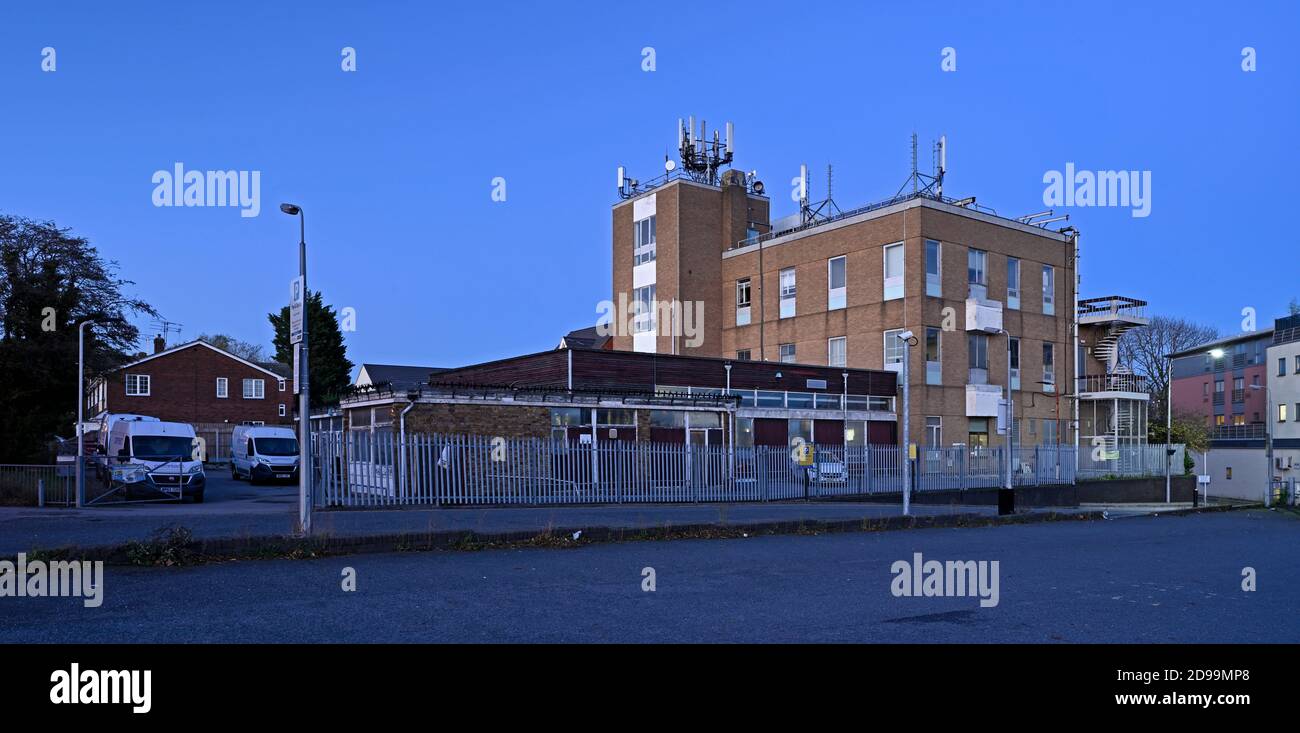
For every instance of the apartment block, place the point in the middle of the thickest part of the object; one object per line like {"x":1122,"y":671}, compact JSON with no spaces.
{"x":1224,"y":383}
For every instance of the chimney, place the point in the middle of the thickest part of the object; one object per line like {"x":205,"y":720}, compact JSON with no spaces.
{"x":159,"y":344}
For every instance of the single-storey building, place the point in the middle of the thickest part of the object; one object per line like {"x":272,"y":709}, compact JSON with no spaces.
{"x":601,"y":395}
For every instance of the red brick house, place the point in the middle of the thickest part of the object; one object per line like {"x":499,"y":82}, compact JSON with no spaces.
{"x":199,"y":384}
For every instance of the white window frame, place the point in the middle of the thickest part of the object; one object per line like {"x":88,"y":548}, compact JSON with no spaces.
{"x":743,"y":307}
{"x":258,"y":389}
{"x":282,"y":410}
{"x":643,"y":309}
{"x":140,"y":379}
{"x":281,"y":384}
{"x":223,"y":388}
{"x":782,"y":355}
{"x":1049,"y":370}
{"x":1015,"y":370}
{"x":893,"y":356}
{"x":934,"y":280}
{"x":1049,"y":290}
{"x":981,"y":271}
{"x":1013,"y":287}
{"x":843,"y":343}
{"x":934,"y":430}
{"x":933,"y":369}
{"x":643,"y":251}
{"x":894,"y":281}
{"x":837,"y":297}
{"x":789,"y":290}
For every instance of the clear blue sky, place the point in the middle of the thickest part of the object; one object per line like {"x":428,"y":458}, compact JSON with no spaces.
{"x":394,"y":163}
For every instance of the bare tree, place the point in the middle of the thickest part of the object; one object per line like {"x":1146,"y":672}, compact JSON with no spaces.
{"x":1144,"y":350}
{"x":242,"y":349}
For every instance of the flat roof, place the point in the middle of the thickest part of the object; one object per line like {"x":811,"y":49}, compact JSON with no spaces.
{"x":1248,"y":336}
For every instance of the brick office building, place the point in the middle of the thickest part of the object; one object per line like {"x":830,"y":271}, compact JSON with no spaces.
{"x":838,"y":290}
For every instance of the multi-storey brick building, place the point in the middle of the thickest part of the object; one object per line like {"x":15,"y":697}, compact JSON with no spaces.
{"x":1223,"y":382}
{"x":982,"y":294}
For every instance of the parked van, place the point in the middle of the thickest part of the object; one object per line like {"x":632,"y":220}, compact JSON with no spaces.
{"x":260,"y":453}
{"x":164,"y":452}
{"x":106,"y":423}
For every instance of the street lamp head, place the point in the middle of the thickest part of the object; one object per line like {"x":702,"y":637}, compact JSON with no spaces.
{"x":290,"y":209}
{"x":1216,"y":353}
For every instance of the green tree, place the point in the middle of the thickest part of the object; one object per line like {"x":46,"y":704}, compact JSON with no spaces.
{"x":51,"y":280}
{"x":330,"y":369}
{"x":242,"y":349}
{"x":1190,"y":430}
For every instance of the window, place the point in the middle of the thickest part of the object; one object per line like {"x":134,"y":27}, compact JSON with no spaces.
{"x":893,"y":271}
{"x":1013,"y":354}
{"x":137,"y":385}
{"x":893,"y":350}
{"x":1297,"y":365}
{"x":1281,"y":412}
{"x":643,"y":309}
{"x":742,"y":302}
{"x":281,"y":409}
{"x":933,"y":431}
{"x":975,"y":260}
{"x":933,"y":365}
{"x":1281,"y":367}
{"x":835,"y":283}
{"x":836,"y":355}
{"x":1049,"y":367}
{"x":743,"y":355}
{"x":281,"y":385}
{"x":1218,"y":420}
{"x":645,"y":241}
{"x":223,"y":388}
{"x":254,"y":389}
{"x":787,"y":293}
{"x":933,"y":271}
{"x":787,"y":353}
{"x":977,"y":344}
{"x":1205,"y":389}
{"x":1013,"y":283}
{"x":1049,"y":290}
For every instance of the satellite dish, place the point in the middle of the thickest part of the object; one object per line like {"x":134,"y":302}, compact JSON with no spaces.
{"x":758,"y":187}
{"x":669,"y":165}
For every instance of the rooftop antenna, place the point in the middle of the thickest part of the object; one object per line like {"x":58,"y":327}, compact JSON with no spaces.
{"x":702,"y":159}
{"x":922,"y":184}
{"x":166,"y":327}
{"x":822,"y":210}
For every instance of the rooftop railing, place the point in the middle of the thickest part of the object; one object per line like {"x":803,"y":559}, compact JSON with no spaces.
{"x":1114,"y":383}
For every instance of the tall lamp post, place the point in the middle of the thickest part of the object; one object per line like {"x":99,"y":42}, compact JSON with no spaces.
{"x":907,"y":338}
{"x":1006,"y":494}
{"x":304,"y":383}
{"x":80,"y":472}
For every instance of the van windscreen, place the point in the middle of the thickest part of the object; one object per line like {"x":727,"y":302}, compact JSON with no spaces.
{"x":162,"y":447}
{"x":276,"y":446}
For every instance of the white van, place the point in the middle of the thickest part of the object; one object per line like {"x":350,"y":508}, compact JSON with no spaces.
{"x":165,"y":453}
{"x":261,"y":453}
{"x":106,"y":423}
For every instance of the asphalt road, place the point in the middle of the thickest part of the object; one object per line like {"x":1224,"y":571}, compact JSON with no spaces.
{"x":1137,"y":579}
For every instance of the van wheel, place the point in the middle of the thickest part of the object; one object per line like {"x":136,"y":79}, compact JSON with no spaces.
{"x":234,"y":475}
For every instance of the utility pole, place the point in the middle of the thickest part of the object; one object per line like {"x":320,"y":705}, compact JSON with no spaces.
{"x":301,"y":376}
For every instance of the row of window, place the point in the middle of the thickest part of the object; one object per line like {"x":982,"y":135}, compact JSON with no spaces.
{"x":141,"y":385}
{"x":977,"y":350}
{"x":977,"y":431}
{"x":1240,"y":357}
{"x":837,"y":281}
{"x":1281,"y":365}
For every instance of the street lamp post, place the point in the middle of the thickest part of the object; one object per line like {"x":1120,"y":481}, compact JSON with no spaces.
{"x":80,"y":472}
{"x":1007,"y":495}
{"x":1169,"y":436}
{"x":907,"y":337}
{"x":304,"y":383}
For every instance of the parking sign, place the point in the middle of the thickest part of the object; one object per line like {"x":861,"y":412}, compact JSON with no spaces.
{"x":296,"y":296}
